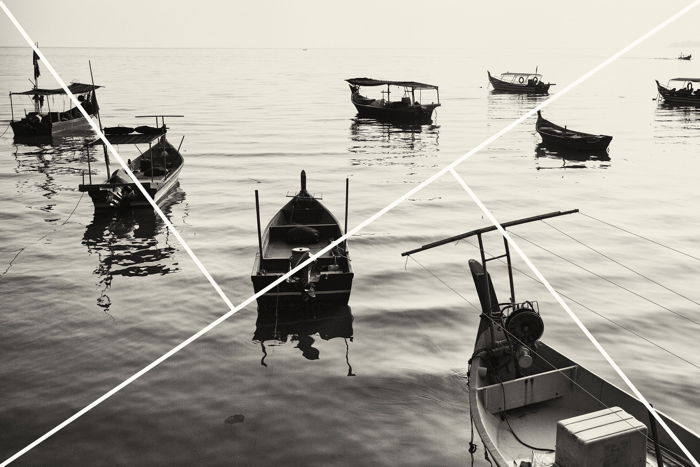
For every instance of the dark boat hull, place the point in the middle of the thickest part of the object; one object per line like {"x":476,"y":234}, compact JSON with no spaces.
{"x":557,"y":137}
{"x":504,"y":86}
{"x":678,"y":97}
{"x":27,"y":128}
{"x":412,"y":114}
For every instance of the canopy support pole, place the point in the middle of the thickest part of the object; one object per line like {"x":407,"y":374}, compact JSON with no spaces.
{"x":87,"y":150}
{"x":257,"y":216}
{"x":347,"y":195}
{"x":99,"y":120}
{"x":150,"y":150}
{"x":12,"y":110}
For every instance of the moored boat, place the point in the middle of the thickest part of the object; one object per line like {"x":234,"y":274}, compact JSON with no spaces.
{"x":685,"y":57}
{"x":408,"y":109}
{"x":681,"y":91}
{"x":555,"y":136}
{"x":301,"y":228}
{"x":520,"y":83}
{"x":157,"y":169}
{"x":42,"y":121}
{"x":533,"y":406}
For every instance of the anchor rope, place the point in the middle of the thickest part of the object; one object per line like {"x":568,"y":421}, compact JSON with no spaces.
{"x":641,"y":236}
{"x":681,"y":315}
{"x":622,"y":265}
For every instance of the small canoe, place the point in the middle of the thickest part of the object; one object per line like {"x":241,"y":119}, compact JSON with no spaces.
{"x":555,"y":136}
{"x":302,"y":227}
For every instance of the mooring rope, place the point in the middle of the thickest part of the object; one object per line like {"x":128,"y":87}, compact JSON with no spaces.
{"x":608,"y":280}
{"x":6,"y":128}
{"x":640,"y":236}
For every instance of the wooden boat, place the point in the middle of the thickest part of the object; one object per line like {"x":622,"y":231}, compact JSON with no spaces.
{"x":685,"y":57}
{"x":682,"y":91}
{"x":42,"y":121}
{"x":301,"y":228}
{"x":528,"y":401}
{"x":157,"y":169}
{"x":521,"y":83}
{"x":555,"y":136}
{"x":408,"y":109}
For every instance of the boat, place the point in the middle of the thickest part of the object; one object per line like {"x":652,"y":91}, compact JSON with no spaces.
{"x":683,"y":91}
{"x":533,"y":406}
{"x":301,"y":228}
{"x":157,"y":169}
{"x":408,"y":109}
{"x":45,"y":122}
{"x":555,"y":136}
{"x":685,"y":57}
{"x":521,"y":83}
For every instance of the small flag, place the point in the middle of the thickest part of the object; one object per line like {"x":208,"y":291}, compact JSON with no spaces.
{"x":35,"y":59}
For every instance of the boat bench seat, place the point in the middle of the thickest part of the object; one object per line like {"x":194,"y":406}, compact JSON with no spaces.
{"x":279,"y":232}
{"x":528,"y":390}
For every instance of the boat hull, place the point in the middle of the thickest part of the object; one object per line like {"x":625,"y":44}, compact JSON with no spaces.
{"x":408,"y":114}
{"x":677,"y":98}
{"x":505,"y":87}
{"x":558,"y":137}
{"x":331,"y":289}
{"x":25,"y":128}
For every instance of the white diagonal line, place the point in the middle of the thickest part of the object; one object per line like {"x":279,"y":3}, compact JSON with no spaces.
{"x":573,"y":316}
{"x":362,"y":225}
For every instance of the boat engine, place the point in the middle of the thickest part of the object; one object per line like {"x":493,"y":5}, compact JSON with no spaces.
{"x":526,"y":326}
{"x":304,"y":276}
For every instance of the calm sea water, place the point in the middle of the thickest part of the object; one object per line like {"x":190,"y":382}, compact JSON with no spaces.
{"x":88,"y":300}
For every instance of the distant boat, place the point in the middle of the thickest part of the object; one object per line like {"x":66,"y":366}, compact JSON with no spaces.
{"x":408,"y":109}
{"x":683,"y":91}
{"x":302,"y":227}
{"x":521,"y":83}
{"x":157,"y":168}
{"x":555,"y":136}
{"x":42,"y":121}
{"x":685,"y":57}
{"x":532,"y":405}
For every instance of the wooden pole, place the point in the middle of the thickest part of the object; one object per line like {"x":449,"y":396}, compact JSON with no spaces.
{"x":347,"y":194}
{"x":12,"y":110}
{"x":99,"y":120}
{"x":180,"y":145}
{"x":150,"y":150}
{"x":257,"y":215}
{"x":87,"y":149}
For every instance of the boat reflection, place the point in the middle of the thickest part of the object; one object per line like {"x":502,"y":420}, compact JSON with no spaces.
{"x":509,"y":106}
{"x":570,"y":159}
{"x":391,"y":143}
{"x":132,"y":243}
{"x":300,"y":325}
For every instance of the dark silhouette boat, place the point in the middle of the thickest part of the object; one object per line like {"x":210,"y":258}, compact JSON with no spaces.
{"x":408,"y":109}
{"x":532,"y":405}
{"x":301,"y":228}
{"x":555,"y":136}
{"x":685,"y":57}
{"x":519,"y":83}
{"x":681,"y":91}
{"x":157,"y":169}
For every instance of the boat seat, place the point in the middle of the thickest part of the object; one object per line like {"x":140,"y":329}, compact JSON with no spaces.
{"x":528,"y":390}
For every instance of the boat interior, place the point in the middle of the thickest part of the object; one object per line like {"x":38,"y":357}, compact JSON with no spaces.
{"x":519,"y":408}
{"x":155,"y":164}
{"x":303,"y":222}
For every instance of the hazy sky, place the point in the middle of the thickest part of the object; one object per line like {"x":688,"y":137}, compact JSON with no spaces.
{"x":355,"y":24}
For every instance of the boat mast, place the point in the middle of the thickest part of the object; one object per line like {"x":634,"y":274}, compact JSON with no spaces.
{"x":99,"y":120}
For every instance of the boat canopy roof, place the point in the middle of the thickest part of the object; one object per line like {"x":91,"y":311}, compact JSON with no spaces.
{"x":381,"y":82}
{"x":692,"y":80}
{"x":512,"y":74}
{"x":135,"y":138}
{"x":74,"y":88}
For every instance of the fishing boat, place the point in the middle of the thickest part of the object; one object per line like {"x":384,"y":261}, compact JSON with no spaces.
{"x":533,"y":406}
{"x":685,"y":57}
{"x":407,"y":109}
{"x":301,"y":228}
{"x":43,"y":121}
{"x":521,"y":83}
{"x":157,"y":168}
{"x":683,"y":91}
{"x":555,"y":136}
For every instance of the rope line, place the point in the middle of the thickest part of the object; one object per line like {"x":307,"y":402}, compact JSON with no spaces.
{"x":608,"y":280}
{"x":640,"y":236}
{"x":623,"y":265}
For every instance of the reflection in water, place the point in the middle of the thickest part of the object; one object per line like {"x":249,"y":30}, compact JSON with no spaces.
{"x":301,"y":324}
{"x":673,"y":122}
{"x":509,"y":106}
{"x":569,"y":159}
{"x":126,"y":244}
{"x":391,"y":143}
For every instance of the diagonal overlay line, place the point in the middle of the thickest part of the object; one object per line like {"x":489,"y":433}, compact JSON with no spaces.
{"x":572,"y":315}
{"x":233,"y":309}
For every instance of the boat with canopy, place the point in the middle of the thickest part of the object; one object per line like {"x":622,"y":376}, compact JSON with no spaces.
{"x":520,"y":83}
{"x":157,"y":168}
{"x":408,"y":109}
{"x":301,"y":228}
{"x":44,"y":120}
{"x":533,"y":406}
{"x":683,"y":91}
